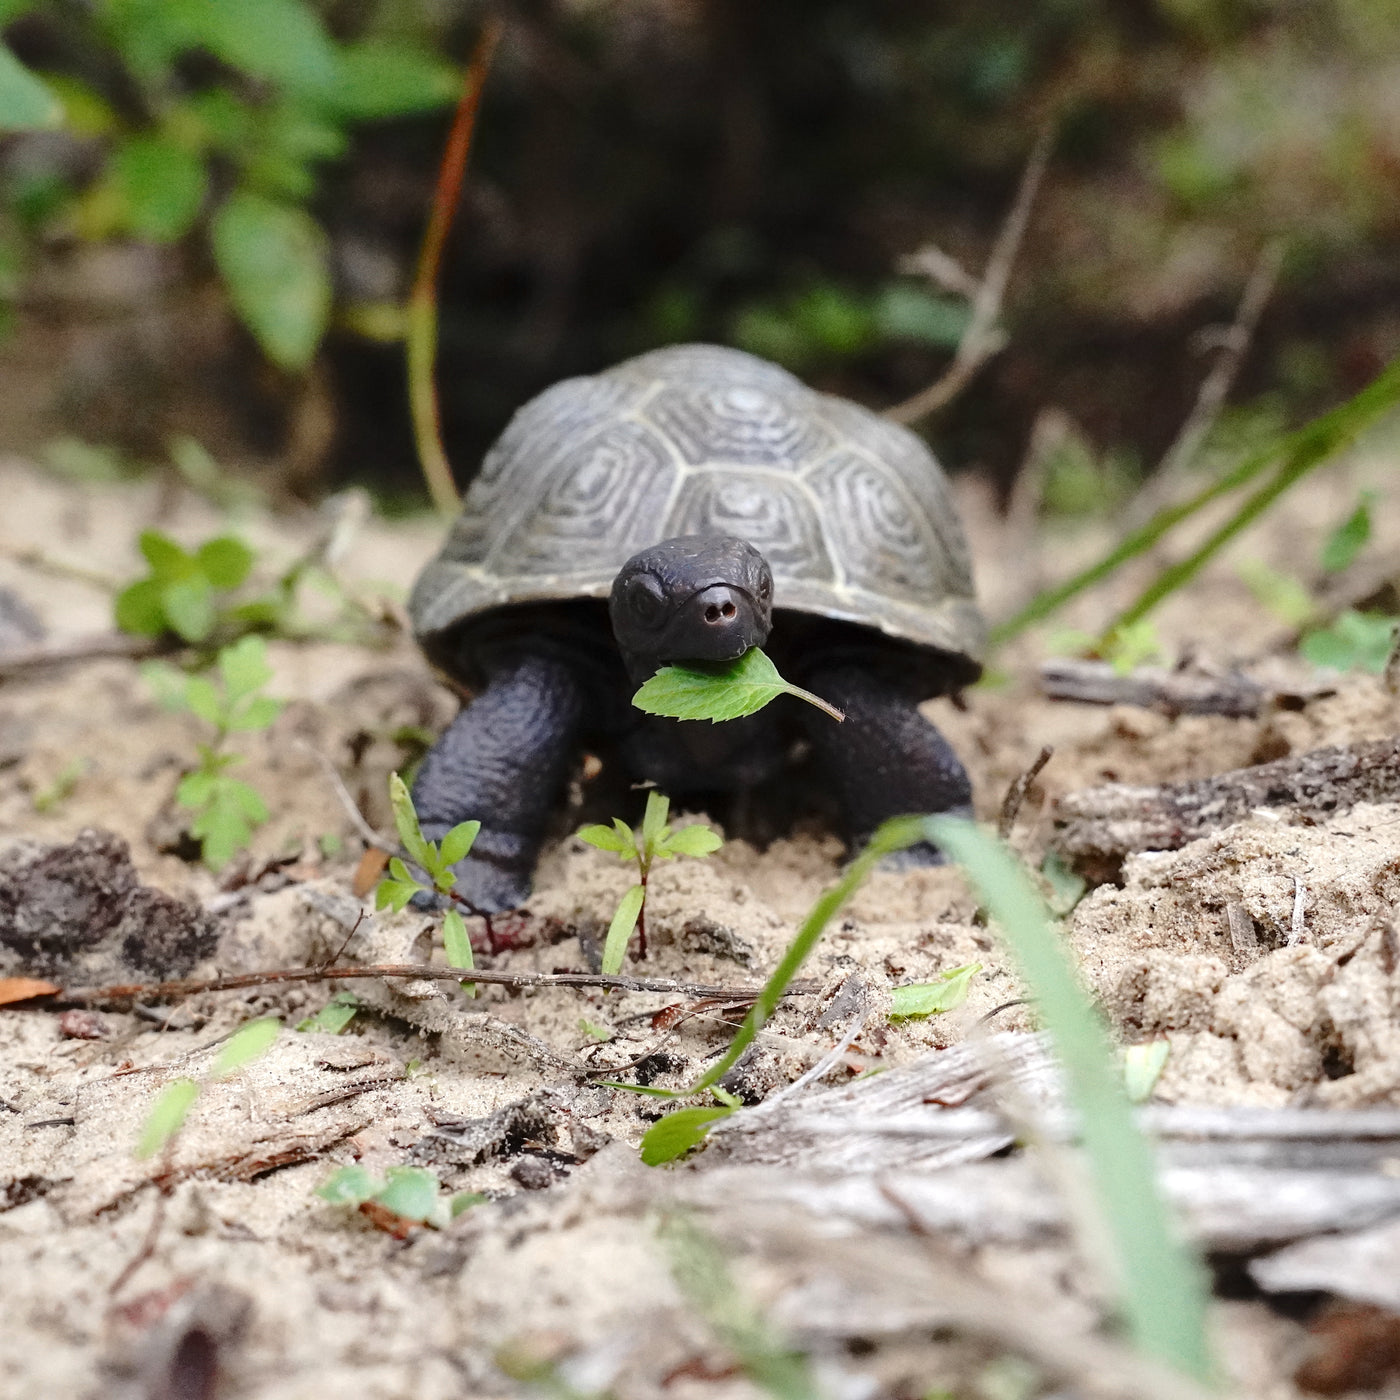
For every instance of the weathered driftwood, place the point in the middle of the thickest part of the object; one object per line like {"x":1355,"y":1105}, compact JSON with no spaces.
{"x":1243,"y":1179}
{"x":1174,"y":692}
{"x":1109,"y":822}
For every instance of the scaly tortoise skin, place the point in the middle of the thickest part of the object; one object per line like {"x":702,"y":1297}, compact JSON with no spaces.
{"x":681,"y":449}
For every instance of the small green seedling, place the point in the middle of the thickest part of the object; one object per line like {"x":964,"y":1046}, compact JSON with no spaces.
{"x":435,"y":859}
{"x":672,"y":1137}
{"x":173,"y":1103}
{"x":182,"y":592}
{"x":405,"y":1198}
{"x":921,"y":999}
{"x":225,"y":809}
{"x":334,"y":1016}
{"x":731,"y":691}
{"x":657,"y":840}
{"x":1356,"y":641}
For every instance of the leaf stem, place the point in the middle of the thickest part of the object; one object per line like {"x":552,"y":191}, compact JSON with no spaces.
{"x":422,"y":319}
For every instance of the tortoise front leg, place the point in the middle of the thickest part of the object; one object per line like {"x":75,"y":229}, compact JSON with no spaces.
{"x":504,"y":762}
{"x":885,"y":761}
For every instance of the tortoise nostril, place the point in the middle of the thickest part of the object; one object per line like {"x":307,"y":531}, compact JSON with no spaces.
{"x":712,"y":613}
{"x":727,"y":610}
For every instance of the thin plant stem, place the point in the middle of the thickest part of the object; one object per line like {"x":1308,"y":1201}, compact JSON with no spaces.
{"x":422,"y":319}
{"x":1301,"y":450}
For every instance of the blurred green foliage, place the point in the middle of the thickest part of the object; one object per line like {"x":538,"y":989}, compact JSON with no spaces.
{"x":209,"y":121}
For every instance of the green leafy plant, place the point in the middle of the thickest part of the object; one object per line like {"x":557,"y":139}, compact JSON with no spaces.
{"x":404,"y":1197}
{"x":182,"y":591}
{"x":334,"y":1016}
{"x":1142,"y":1068}
{"x":657,"y":840}
{"x":228,"y":151}
{"x":435,"y":859}
{"x":728,"y":691}
{"x":173,"y":1103}
{"x":208,"y":596}
{"x":918,"y":1000}
{"x":225,"y":810}
{"x":672,"y":1137}
{"x":1355,"y":641}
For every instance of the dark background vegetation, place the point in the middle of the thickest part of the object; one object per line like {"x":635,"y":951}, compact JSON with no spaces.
{"x":748,"y":171}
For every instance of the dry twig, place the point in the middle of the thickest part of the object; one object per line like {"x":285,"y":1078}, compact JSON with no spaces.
{"x":1016,"y":793}
{"x":43,"y":656}
{"x":122,"y":993}
{"x":982,"y":339}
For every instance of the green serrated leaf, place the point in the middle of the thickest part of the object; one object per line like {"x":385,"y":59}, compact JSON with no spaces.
{"x":167,"y":1116}
{"x":244,"y":666}
{"x":246,"y":1044}
{"x":457,"y":944}
{"x":224,"y":561}
{"x":457,"y":844}
{"x":380,"y":79}
{"x":203,"y":699}
{"x":717,"y":693}
{"x":654,"y":819}
{"x":607,"y":838}
{"x":238,"y":796}
{"x":196,"y":789}
{"x":695,"y":840}
{"x":921,"y":999}
{"x":26,"y":102}
{"x":620,"y":930}
{"x":188,"y":604}
{"x":349,"y":1186}
{"x":395,"y":894}
{"x":161,"y":186}
{"x":138,"y":609}
{"x":410,"y":1192}
{"x":334,"y":1016}
{"x":255,"y":714}
{"x":166,"y":558}
{"x":406,"y":822}
{"x":678,"y":1133}
{"x":283,"y":41}
{"x":274,"y":259}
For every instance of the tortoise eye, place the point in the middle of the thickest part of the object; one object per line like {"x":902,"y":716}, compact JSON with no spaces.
{"x":765,"y":587}
{"x":645,"y":600}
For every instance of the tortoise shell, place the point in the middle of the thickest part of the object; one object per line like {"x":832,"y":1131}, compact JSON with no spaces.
{"x":852,"y":512}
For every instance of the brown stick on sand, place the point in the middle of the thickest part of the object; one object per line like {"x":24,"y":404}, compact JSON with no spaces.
{"x":1109,"y":822}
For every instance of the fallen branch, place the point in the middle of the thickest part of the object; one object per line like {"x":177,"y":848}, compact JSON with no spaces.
{"x":43,"y":656}
{"x":1016,"y":793}
{"x":981,"y":340}
{"x":1172,"y":692}
{"x":1109,"y":822}
{"x":121,"y":993}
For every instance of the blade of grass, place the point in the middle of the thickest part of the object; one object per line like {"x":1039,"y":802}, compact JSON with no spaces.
{"x":1162,"y":1289}
{"x":1305,"y":450}
{"x":1322,"y":437}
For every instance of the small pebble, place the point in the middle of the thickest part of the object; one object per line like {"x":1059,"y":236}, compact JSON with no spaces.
{"x":83,"y":1025}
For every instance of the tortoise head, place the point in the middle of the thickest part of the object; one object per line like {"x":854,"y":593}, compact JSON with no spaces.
{"x":692,"y":598}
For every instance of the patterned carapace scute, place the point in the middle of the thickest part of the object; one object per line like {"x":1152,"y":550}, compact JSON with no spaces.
{"x":852,"y":512}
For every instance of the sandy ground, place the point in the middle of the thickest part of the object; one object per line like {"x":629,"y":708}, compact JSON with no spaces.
{"x":563,"y":1263}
